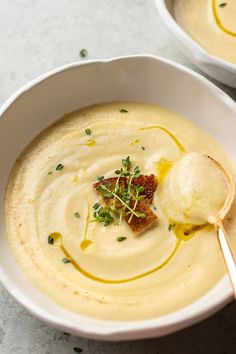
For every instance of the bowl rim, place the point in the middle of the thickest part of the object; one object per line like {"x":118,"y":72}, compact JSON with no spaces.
{"x":115,"y":330}
{"x":202,"y":54}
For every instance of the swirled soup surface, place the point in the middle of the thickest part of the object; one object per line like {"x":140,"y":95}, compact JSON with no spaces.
{"x":212,"y":23}
{"x":109,"y":271}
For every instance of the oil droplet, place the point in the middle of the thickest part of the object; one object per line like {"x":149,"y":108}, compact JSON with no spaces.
{"x":89,"y":142}
{"x":185,"y":232}
{"x":75,"y":179}
{"x":57,"y":237}
{"x":163,"y":167}
{"x":86,"y":245}
{"x":136,"y":141}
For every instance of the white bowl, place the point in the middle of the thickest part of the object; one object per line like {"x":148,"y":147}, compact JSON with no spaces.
{"x":215,"y":67}
{"x":138,"y":78}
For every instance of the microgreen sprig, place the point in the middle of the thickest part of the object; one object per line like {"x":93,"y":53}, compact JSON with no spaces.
{"x":124,"y":197}
{"x":138,"y":197}
{"x":121,"y":238}
{"x":109,"y":194}
{"x":102,"y":214}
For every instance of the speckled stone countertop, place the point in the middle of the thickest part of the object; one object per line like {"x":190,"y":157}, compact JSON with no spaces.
{"x":36,"y":36}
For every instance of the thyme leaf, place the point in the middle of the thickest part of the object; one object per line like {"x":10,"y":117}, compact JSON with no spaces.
{"x":121,"y":238}
{"x":88,"y":131}
{"x":50,"y":240}
{"x":83,"y":53}
{"x":59,"y":167}
{"x":171,"y":226}
{"x":96,"y":206}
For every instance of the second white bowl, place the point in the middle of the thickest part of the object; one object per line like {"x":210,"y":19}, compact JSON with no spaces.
{"x":218,"y":69}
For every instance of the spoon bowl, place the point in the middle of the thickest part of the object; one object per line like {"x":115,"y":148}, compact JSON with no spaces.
{"x":230,"y":188}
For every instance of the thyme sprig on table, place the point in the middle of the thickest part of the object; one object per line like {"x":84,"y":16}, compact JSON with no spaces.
{"x":123,"y":198}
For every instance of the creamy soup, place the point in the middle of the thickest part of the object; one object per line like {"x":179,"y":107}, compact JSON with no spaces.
{"x":88,"y":250}
{"x":212,"y":23}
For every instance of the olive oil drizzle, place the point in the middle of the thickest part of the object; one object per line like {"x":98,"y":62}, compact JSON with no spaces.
{"x":218,"y":21}
{"x":185,"y":232}
{"x":89,"y":143}
{"x":91,"y":276}
{"x":172,"y":136}
{"x":86,"y":244}
{"x":163,"y":167}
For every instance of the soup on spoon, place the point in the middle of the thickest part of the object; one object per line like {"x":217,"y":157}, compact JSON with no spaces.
{"x":199,"y":191}
{"x":194,"y":191}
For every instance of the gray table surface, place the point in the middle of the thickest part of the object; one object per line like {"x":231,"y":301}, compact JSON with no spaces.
{"x":39,"y":35}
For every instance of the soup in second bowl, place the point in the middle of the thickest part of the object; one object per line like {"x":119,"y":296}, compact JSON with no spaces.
{"x":211,"y":23}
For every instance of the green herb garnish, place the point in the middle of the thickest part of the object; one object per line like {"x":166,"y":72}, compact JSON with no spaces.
{"x":124,"y":110}
{"x":105,"y":191}
{"x":223,"y":4}
{"x":77,"y":215}
{"x":77,"y":350}
{"x":142,"y":147}
{"x":103,"y":215}
{"x":121,"y":238}
{"x":126,"y":163}
{"x":66,"y":260}
{"x":100,"y":179}
{"x":96,"y":206}
{"x":83,"y":53}
{"x":136,"y":172}
{"x":171,"y":226}
{"x":50,"y":172}
{"x":59,"y":167}
{"x":50,"y":240}
{"x":88,"y":131}
{"x":126,"y":170}
{"x":124,"y":197}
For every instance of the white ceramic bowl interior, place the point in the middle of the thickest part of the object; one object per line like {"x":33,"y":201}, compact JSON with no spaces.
{"x":135,"y":78}
{"x":220,"y":70}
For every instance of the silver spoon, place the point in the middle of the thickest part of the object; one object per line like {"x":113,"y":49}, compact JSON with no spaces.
{"x":221,"y":233}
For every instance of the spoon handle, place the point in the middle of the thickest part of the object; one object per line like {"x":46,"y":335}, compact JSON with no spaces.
{"x":228,"y":255}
